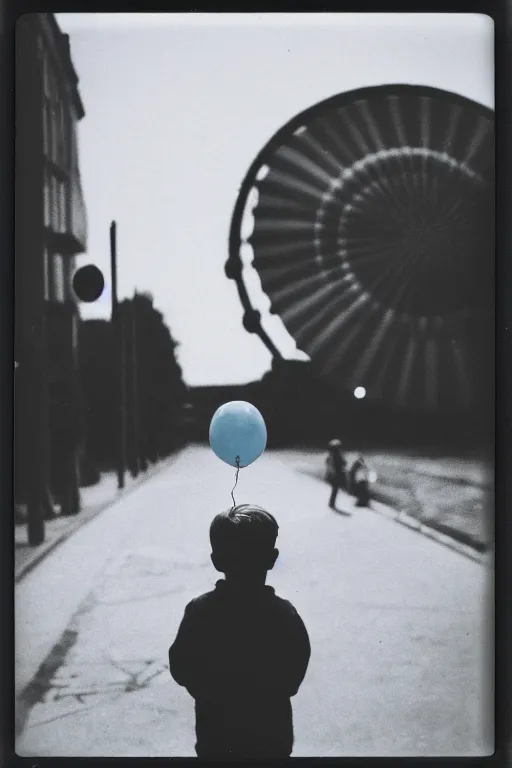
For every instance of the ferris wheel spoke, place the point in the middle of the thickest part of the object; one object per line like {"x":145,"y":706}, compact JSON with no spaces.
{"x":306,"y":288}
{"x":273,"y":185}
{"x":396,"y":184}
{"x":397,"y":121}
{"x":391,"y":275}
{"x":295,"y":259}
{"x":431,"y":374}
{"x":320,"y":152}
{"x":377,"y":180}
{"x":453,"y":124}
{"x":406,"y":369}
{"x":281,"y":276}
{"x":348,"y":156}
{"x":310,"y":168}
{"x":346,"y":350}
{"x":396,"y":187}
{"x":376,"y":267}
{"x":389,"y":352}
{"x":364,"y":120}
{"x":288,"y":181}
{"x":372,"y":124}
{"x":425,"y":119}
{"x":355,"y":131}
{"x":277,"y":237}
{"x":290,"y":307}
{"x":335,"y":356}
{"x":285,"y":165}
{"x":371,"y":250}
{"x":288,"y":225}
{"x":372,"y":273}
{"x":477,"y":140}
{"x":267,"y":252}
{"x":380,"y":191}
{"x":304,"y":318}
{"x":293,"y":281}
{"x":335,"y":325}
{"x":272,"y":205}
{"x":374,"y":343}
{"x":403,"y":286}
{"x":462,"y":376}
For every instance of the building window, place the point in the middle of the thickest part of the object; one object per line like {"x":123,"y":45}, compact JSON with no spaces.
{"x":62,"y":207}
{"x":46,"y":129}
{"x":67,"y":265}
{"x":54,"y":204}
{"x":61,"y":143}
{"x":58,"y":281}
{"x":46,"y":75}
{"x":54,"y":135}
{"x":67,"y":137}
{"x":46,"y":275}
{"x":47,"y":201}
{"x":74,"y":335}
{"x":58,"y":277}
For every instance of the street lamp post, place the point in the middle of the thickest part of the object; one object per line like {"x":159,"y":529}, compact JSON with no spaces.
{"x":118,"y":339}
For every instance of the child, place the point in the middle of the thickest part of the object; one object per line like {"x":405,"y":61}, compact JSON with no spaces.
{"x":241,"y":651}
{"x":336,"y":471}
{"x":360,"y":482}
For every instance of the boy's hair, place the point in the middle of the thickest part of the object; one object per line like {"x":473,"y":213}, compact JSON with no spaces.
{"x":244,"y":535}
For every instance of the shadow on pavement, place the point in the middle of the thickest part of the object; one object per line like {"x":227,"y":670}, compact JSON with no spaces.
{"x":342,"y":512}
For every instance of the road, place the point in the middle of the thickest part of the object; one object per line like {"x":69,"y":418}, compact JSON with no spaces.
{"x":399,"y":625}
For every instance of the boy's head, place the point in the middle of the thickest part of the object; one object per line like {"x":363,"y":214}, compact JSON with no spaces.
{"x":243,"y":541}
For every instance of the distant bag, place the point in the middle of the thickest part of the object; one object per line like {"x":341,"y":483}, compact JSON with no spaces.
{"x":361,"y":475}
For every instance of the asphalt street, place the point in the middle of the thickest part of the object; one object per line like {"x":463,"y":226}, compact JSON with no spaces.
{"x":400,"y":626}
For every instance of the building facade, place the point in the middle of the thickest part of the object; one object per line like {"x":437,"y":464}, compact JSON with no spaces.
{"x":51,"y":230}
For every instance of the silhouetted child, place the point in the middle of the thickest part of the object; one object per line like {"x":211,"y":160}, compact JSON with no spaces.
{"x":336,"y":471}
{"x":241,"y":651}
{"x":360,"y":481}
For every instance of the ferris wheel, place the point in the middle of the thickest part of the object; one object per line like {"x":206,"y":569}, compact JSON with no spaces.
{"x":373,"y":238}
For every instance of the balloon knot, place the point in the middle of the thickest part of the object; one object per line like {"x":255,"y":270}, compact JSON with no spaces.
{"x":237,"y":460}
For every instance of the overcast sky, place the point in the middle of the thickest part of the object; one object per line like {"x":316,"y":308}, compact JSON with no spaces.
{"x":178,"y":105}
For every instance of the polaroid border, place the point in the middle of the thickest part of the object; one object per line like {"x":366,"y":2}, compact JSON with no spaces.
{"x":501,"y":13}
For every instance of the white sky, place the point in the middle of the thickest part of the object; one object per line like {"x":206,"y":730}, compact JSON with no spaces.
{"x":178,"y":105}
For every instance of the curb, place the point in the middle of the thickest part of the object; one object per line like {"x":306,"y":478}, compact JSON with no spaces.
{"x":85,"y":517}
{"x":441,"y":538}
{"x":410,"y":522}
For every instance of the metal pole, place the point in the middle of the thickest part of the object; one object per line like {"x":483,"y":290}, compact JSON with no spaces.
{"x":119,"y":358}
{"x":135,"y":392}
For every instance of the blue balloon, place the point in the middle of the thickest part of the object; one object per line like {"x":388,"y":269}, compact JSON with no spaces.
{"x":238,"y":429}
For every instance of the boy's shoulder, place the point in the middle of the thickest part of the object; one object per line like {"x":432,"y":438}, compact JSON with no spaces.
{"x":211,"y":598}
{"x":201,"y":601}
{"x":284,"y":605}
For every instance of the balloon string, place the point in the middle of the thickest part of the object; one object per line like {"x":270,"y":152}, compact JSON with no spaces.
{"x":237,"y":459}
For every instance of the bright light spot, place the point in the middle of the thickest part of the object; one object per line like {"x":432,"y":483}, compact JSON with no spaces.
{"x":359,"y":392}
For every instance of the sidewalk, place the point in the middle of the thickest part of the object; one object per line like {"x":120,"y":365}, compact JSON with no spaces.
{"x":445,"y":498}
{"x":399,"y":626}
{"x":95,"y":499}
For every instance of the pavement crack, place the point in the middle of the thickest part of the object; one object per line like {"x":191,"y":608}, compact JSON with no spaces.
{"x":70,"y":713}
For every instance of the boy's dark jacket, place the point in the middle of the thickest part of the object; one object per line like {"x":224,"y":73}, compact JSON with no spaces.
{"x":241,"y":654}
